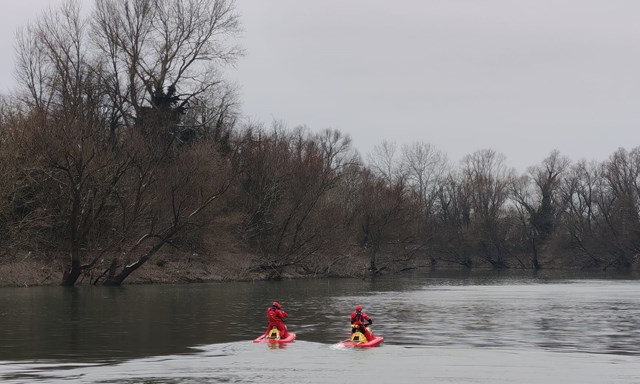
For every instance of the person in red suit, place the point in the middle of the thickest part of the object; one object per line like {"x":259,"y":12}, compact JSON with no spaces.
{"x":361,"y":320}
{"x":276,"y":317}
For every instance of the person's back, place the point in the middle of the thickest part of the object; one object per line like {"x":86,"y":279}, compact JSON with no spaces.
{"x":276,"y":316}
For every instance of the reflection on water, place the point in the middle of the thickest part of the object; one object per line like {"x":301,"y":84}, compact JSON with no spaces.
{"x":97,"y":323}
{"x":593,"y":316}
{"x":106,"y":331}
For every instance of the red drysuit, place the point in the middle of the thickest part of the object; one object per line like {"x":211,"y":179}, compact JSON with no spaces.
{"x":276,"y":316}
{"x":358,"y":318}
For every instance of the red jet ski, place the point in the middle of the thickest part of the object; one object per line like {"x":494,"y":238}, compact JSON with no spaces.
{"x":359,"y":340}
{"x":274,"y":337}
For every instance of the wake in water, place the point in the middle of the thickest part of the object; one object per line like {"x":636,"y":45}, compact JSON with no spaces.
{"x":306,"y":362}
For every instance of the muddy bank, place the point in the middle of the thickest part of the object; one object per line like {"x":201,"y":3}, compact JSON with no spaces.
{"x":35,"y":273}
{"x":164,"y":269}
{"x":172,"y":268}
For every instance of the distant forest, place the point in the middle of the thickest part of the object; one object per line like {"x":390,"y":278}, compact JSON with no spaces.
{"x":122,"y":139}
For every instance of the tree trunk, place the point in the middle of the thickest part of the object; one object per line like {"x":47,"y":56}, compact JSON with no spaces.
{"x":534,"y":259}
{"x":117,"y":279}
{"x":72,"y":274}
{"x":373,"y":266}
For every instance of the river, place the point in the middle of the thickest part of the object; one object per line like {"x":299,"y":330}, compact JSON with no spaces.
{"x":438,"y":328}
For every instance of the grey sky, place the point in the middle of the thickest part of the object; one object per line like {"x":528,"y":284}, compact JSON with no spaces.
{"x":522,"y":77}
{"x":13,"y":15}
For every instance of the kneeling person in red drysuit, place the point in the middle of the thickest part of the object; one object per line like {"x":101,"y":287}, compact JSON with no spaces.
{"x":358,"y":318}
{"x":276,"y":317}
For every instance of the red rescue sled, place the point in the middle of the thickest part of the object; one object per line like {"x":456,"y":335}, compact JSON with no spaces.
{"x":359,"y":344}
{"x":274,"y":337}
{"x":358,"y":340}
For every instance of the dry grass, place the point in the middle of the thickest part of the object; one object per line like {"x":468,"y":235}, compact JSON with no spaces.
{"x":26,"y":273}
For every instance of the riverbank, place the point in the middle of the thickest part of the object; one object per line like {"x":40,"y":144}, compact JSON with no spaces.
{"x":164,"y":269}
{"x":175,"y":268}
{"x":37,"y":273}
{"x":28,"y":271}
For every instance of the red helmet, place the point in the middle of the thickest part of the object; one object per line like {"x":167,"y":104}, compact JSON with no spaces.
{"x":277,"y":305}
{"x":358,"y":308}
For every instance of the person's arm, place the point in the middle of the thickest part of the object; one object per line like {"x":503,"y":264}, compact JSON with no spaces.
{"x":368,"y":319}
{"x":283,"y":314}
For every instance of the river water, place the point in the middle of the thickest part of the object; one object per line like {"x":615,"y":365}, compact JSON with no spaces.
{"x":438,"y":328}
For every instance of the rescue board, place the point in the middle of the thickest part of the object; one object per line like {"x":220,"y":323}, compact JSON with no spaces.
{"x":273,"y":336}
{"x":377,"y":340}
{"x":264,"y":339}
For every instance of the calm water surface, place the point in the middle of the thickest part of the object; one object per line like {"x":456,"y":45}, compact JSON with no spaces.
{"x":482,"y":328}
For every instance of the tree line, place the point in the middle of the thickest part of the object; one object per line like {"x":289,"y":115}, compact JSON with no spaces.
{"x":123,"y":139}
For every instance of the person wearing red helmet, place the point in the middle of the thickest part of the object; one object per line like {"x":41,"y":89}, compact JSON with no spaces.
{"x":360,"y":321}
{"x":276,"y":316}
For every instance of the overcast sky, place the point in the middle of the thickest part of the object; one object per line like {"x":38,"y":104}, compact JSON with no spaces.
{"x":522,"y":77}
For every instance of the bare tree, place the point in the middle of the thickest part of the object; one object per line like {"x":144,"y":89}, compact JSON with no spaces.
{"x":488,"y":179}
{"x":453,"y":228}
{"x":538,"y":193}
{"x":287,"y":178}
{"x":25,"y":222}
{"x":620,"y":205}
{"x":153,"y":47}
{"x":424,"y":168}
{"x":66,"y":107}
{"x":212,"y":115}
{"x":133,"y":65}
{"x":383,"y":220}
{"x":52,"y":61}
{"x":384,"y":161}
{"x":580,"y":190}
{"x":180,"y":198}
